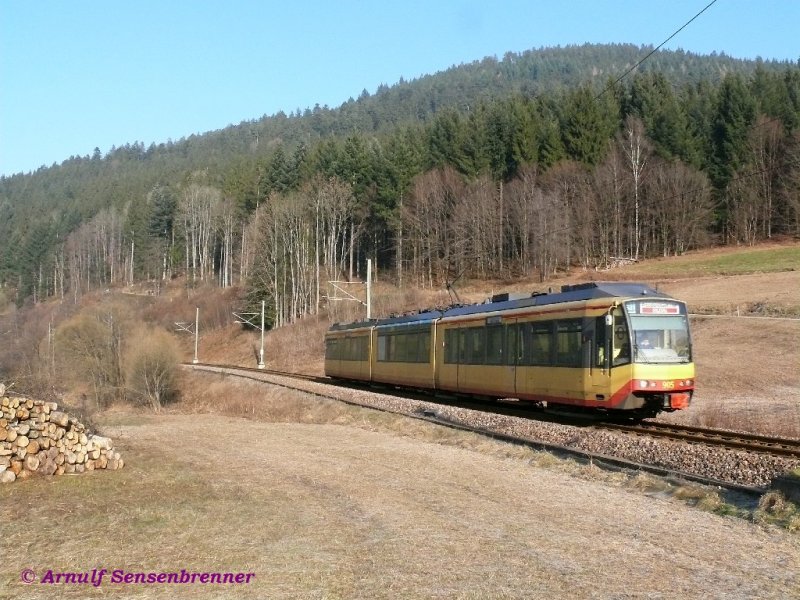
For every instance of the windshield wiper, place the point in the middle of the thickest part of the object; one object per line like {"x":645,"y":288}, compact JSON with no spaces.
{"x":639,"y":356}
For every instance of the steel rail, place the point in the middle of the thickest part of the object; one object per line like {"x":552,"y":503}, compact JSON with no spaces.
{"x":602,"y":460}
{"x":785,"y":447}
{"x":713,"y":437}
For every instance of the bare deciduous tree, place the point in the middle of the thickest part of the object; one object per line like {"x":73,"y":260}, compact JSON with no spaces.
{"x":538,"y":224}
{"x":300,"y":240}
{"x":428,"y":222}
{"x":637,"y":150}
{"x":199,"y":207}
{"x":790,"y":190}
{"x":681,"y":207}
{"x":764,"y":143}
{"x":609,"y":189}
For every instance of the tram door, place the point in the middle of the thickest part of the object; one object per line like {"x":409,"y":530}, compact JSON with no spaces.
{"x":447,"y":354}
{"x":519,"y":352}
{"x":498,"y":376}
{"x":510,"y":356}
{"x":601,"y":346}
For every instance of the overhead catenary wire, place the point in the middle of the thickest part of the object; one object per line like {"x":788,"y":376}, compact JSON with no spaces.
{"x":680,"y":194}
{"x":634,"y":67}
{"x":656,"y":49}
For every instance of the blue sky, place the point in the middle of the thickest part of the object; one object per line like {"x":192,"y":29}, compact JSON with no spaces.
{"x":80,"y":74}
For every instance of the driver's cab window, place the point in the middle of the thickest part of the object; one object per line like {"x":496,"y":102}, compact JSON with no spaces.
{"x":621,"y":352}
{"x":648,"y":339}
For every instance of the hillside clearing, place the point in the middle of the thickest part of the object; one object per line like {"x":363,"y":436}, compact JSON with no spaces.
{"x":331,"y":511}
{"x":761,"y":293}
{"x":724,"y":260}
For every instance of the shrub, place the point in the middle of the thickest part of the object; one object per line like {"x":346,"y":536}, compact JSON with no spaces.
{"x":89,"y":346}
{"x":152,"y":369}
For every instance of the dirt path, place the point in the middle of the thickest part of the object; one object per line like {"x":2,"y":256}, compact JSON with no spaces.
{"x":352,"y":513}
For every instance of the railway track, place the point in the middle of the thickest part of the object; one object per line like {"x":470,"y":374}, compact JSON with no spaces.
{"x":432,"y":416}
{"x":681,"y":433}
{"x":714,"y":437}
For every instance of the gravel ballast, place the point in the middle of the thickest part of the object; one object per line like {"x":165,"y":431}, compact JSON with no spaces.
{"x":726,"y":465}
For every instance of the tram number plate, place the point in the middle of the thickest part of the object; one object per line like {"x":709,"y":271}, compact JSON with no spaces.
{"x":668,"y":385}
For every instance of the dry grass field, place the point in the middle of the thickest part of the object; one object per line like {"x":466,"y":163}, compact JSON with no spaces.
{"x":347,"y":508}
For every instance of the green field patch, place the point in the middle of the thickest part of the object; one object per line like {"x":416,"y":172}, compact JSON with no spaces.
{"x":755,"y":260}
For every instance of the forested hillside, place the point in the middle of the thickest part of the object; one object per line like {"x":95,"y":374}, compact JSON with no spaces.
{"x":524,"y":165}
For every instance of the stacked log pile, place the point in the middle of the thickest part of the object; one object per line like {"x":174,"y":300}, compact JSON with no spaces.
{"x":35,"y":437}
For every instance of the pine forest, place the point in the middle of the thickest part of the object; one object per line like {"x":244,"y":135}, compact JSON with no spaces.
{"x":520,"y":166}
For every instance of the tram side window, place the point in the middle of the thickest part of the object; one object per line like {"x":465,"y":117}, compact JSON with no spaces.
{"x":622,"y":345}
{"x":451,"y":346}
{"x":477,"y":355}
{"x":525,"y":340}
{"x":468,"y":346}
{"x":331,"y":350}
{"x":412,"y":347}
{"x":403,"y":347}
{"x":568,"y":343}
{"x":494,"y":345}
{"x":387,"y":347}
{"x":400,"y":346}
{"x":383,"y":348}
{"x":462,"y":345}
{"x":418,"y":347}
{"x":541,"y":343}
{"x":536,"y":343}
{"x":424,"y":347}
{"x":600,"y":342}
{"x":511,"y":344}
{"x":409,"y":353}
{"x":353,"y":348}
{"x":465,"y":347}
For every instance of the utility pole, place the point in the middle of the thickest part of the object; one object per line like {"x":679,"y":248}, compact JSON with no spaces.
{"x":348,"y":296}
{"x":248,"y":318}
{"x":51,"y":346}
{"x":185,"y":326}
{"x":132,"y":244}
{"x":261,"y":353}
{"x":369,"y":289}
{"x":196,"y":334}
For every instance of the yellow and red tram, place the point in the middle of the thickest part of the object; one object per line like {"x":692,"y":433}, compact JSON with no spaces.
{"x":607,"y":346}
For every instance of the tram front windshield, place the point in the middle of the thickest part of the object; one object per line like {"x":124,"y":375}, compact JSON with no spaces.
{"x":660,"y":332}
